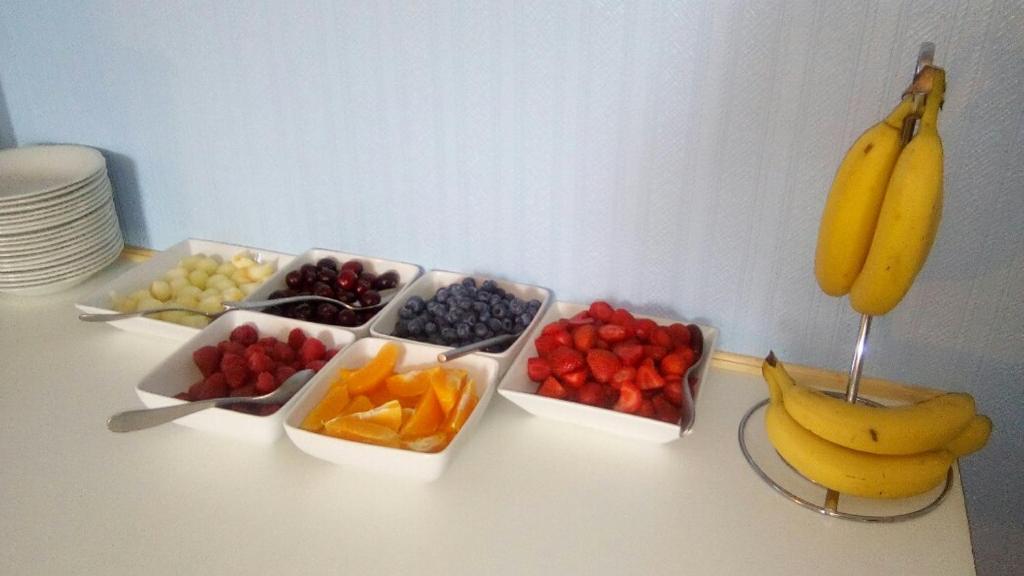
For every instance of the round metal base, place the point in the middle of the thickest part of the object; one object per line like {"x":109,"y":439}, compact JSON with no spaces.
{"x":778,"y":474}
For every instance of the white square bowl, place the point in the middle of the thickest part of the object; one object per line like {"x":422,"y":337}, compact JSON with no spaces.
{"x":428,"y":284}
{"x":407,"y":274}
{"x":140,"y":277}
{"x":175,"y":374}
{"x":394,"y":461}
{"x":518,"y":388}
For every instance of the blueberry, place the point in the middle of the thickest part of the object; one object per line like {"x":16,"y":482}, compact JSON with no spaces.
{"x":469,"y":282}
{"x":462,"y":330}
{"x":479,"y":307}
{"x":415,"y":303}
{"x":454,"y":316}
{"x":489,"y":286}
{"x":415,"y":327}
{"x":499,"y":310}
{"x":401,"y":329}
{"x":457,"y":290}
{"x":441,"y":295}
{"x":526,"y":318}
{"x":516,"y":306}
{"x":449,"y":335}
{"x":465,"y":303}
{"x":494,"y":324}
{"x":507,"y":325}
{"x":441,"y":322}
{"x":501,"y":292}
{"x":484,"y":316}
{"x":437,"y":309}
{"x":405,"y":313}
{"x":483,"y":296}
{"x":495,"y":300}
{"x":430,"y":327}
{"x":480,"y":330}
{"x":534,"y":304}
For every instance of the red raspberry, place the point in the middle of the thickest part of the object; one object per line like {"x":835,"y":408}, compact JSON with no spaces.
{"x":283,"y":373}
{"x":265,"y":383}
{"x":315,"y":365}
{"x":232,"y":347}
{"x":260,"y":362}
{"x":282,"y":352}
{"x":295,"y":338}
{"x":235,"y":369}
{"x":247,"y":390}
{"x":312,"y":349}
{"x":183,"y":396}
{"x":245,"y":335}
{"x":207,"y":359}
{"x":213,"y":387}
{"x":268,"y":342}
{"x":331,"y":352}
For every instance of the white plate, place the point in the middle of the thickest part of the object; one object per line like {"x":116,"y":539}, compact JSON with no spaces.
{"x":67,"y":203}
{"x":65,"y":214}
{"x":54,"y":198}
{"x":68,"y":254}
{"x":175,"y":374}
{"x":60,"y":233}
{"x":407,"y":274}
{"x":55,"y":285}
{"x":518,"y":388}
{"x":85,"y":262}
{"x":384,"y":324}
{"x":395,"y":461}
{"x":28,"y":172}
{"x":140,"y":277}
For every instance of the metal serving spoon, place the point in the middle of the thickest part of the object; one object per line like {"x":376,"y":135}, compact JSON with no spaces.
{"x":229,"y":306}
{"x":461,"y":351}
{"x":133,"y":420}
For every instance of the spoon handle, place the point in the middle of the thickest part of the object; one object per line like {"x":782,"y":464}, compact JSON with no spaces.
{"x":111,"y":316}
{"x":132,"y":420}
{"x":473,"y":347}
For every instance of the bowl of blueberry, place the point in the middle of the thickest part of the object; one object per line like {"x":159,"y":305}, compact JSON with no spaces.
{"x":448,"y":310}
{"x":360,"y":281}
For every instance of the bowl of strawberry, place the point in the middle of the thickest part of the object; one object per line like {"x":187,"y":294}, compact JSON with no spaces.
{"x":608,"y":369}
{"x":241,"y":353}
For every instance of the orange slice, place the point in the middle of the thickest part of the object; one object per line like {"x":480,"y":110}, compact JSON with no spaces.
{"x":412,"y":383}
{"x":388,"y":414}
{"x":362,"y":431}
{"x":375,"y":371}
{"x":358,"y":404}
{"x":329,"y":407}
{"x":426,"y":418}
{"x":463,"y":408}
{"x":342,"y":375}
{"x":432,"y":443}
{"x":446,"y":384}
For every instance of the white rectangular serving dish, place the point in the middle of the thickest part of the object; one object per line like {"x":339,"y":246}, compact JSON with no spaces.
{"x":140,"y":277}
{"x":384,"y":324}
{"x":517,"y":387}
{"x":407,"y":274}
{"x":175,"y":374}
{"x":395,"y":461}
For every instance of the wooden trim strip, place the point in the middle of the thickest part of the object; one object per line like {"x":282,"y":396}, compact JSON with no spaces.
{"x":818,"y":377}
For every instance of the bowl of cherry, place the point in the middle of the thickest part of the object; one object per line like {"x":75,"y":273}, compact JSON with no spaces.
{"x":359,"y":281}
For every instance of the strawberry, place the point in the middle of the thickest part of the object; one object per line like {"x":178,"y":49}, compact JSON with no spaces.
{"x":673,"y":364}
{"x":643,"y":328}
{"x":679,"y":333}
{"x":665,"y":410}
{"x":545,"y":344}
{"x":629,"y":400}
{"x":688,"y":355}
{"x":660,"y":337}
{"x":655,"y":352}
{"x":562,"y":337}
{"x":584,"y":337}
{"x":245,"y":335}
{"x":564,"y":359}
{"x":295,"y":338}
{"x":647,"y":376}
{"x":621,"y":317}
{"x":630,"y":354}
{"x":601,"y":344}
{"x":552,"y":388}
{"x":538,"y":369}
{"x":591,"y":393}
{"x":625,"y":375}
{"x":574,"y":379}
{"x":580,"y":319}
{"x":673,"y":390}
{"x":207,"y":359}
{"x":612,"y":333}
{"x":603,"y":364}
{"x":646,"y":409}
{"x":556,"y":326}
{"x":312,"y":349}
{"x":601,"y":310}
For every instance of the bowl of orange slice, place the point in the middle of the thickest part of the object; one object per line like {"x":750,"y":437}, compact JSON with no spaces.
{"x":389,"y":407}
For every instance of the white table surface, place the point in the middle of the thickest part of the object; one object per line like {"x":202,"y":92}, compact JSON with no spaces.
{"x":526,"y":496}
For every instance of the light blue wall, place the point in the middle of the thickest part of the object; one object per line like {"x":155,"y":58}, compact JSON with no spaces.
{"x":670,"y":156}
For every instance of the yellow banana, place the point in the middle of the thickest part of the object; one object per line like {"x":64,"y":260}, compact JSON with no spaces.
{"x":851,"y":210}
{"x":845,"y":470}
{"x":909,"y":217}
{"x":908,"y":429}
{"x":973,"y":438}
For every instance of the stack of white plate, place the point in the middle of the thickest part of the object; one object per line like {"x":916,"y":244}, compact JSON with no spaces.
{"x":58,"y":225}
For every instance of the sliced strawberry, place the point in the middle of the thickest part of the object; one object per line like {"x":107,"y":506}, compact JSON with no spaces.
{"x":562,"y":337}
{"x":538,"y":369}
{"x":552,"y":388}
{"x":630,"y":354}
{"x":591,"y":393}
{"x":545,"y":344}
{"x":661,"y":337}
{"x":612,"y":333}
{"x":584,"y":337}
{"x":601,"y":344}
{"x":621,"y":317}
{"x":564,"y":359}
{"x":643,"y":328}
{"x":580,"y":319}
{"x":625,"y":375}
{"x":665,"y":410}
{"x":673,"y":390}
{"x":601,"y":310}
{"x":680,"y":335}
{"x":603,"y":364}
{"x":688,"y":355}
{"x":646,"y":409}
{"x":574,"y":379}
{"x":630,"y":399}
{"x":673,"y":364}
{"x":647,"y":376}
{"x":655,"y":352}
{"x":556,"y":326}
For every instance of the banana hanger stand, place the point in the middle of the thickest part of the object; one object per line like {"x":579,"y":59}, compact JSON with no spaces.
{"x":771,"y":468}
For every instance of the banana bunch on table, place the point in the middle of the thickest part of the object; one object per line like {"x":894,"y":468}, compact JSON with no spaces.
{"x":884,"y":208}
{"x":873,"y":452}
